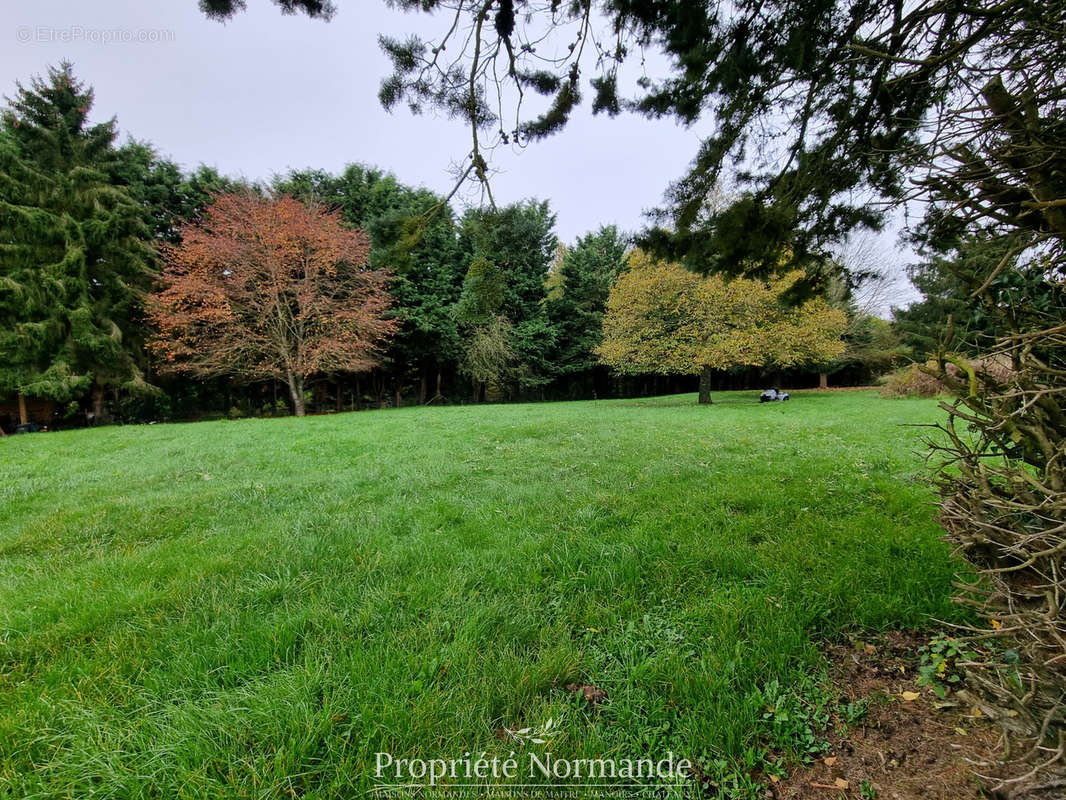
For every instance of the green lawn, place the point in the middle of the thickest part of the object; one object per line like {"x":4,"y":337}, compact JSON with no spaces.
{"x":255,"y":608}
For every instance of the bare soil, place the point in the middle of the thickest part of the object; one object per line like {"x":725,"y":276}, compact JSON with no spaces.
{"x":904,"y":747}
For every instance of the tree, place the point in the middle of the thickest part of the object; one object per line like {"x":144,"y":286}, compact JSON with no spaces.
{"x":268,"y":288}
{"x":413,"y":234}
{"x":75,"y":263}
{"x":586,"y":273}
{"x":871,"y":344}
{"x":510,"y":252}
{"x":487,"y":357}
{"x":946,"y":282}
{"x":486,"y":354}
{"x":667,"y":319}
{"x":168,"y":197}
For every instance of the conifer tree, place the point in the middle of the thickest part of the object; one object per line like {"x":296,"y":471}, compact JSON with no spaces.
{"x":73,"y":260}
{"x":587,"y":273}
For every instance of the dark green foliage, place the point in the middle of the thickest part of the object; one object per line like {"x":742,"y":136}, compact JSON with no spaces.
{"x":74,"y":260}
{"x":364,"y":194}
{"x":168,"y":197}
{"x":587,"y":273}
{"x":224,"y":9}
{"x":952,"y":319}
{"x":520,"y":240}
{"x":946,"y":283}
{"x":482,"y":295}
{"x":418,"y":241}
{"x":510,"y":252}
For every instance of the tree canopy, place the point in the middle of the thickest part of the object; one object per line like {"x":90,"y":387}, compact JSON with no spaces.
{"x":74,"y":263}
{"x":270,"y":288}
{"x":664,"y":318}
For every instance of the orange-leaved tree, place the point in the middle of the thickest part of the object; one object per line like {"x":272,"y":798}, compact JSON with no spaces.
{"x":666,"y":319}
{"x":267,"y":287}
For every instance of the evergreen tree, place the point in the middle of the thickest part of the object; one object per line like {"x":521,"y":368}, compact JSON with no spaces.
{"x":519,"y":241}
{"x":168,"y":197}
{"x":587,"y":272}
{"x":74,"y":263}
{"x":946,"y":283}
{"x":417,"y":241}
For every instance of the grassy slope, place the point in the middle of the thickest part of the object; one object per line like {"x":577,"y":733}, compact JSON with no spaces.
{"x":240,"y":608}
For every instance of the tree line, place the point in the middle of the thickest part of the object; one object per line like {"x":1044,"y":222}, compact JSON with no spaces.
{"x":120,"y":294}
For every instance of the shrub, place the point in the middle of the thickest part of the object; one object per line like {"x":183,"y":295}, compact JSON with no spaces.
{"x":911,"y":381}
{"x":919,"y":380}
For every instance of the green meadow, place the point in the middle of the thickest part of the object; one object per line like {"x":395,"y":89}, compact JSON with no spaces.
{"x":255,"y":608}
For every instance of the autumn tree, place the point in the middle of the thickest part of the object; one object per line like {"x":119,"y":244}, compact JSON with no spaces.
{"x":269,"y":288}
{"x":666,"y":319}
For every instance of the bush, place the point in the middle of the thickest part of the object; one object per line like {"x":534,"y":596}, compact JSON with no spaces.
{"x":911,"y":382}
{"x":918,"y":381}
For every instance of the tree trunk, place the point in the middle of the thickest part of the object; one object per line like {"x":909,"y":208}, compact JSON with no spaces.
{"x":296,"y":392}
{"x":99,"y":408}
{"x":705,"y":386}
{"x":422,"y":390}
{"x":23,"y":416}
{"x":399,"y":397}
{"x":823,"y":380}
{"x":340,"y":397}
{"x":358,"y":403}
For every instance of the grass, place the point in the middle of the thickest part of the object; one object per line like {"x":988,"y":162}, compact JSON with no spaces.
{"x":255,"y":608}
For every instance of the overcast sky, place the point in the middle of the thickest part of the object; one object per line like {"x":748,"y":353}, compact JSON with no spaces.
{"x":264,"y":93}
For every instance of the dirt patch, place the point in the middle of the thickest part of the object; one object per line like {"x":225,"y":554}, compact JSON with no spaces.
{"x":592,"y":694}
{"x":908,"y":744}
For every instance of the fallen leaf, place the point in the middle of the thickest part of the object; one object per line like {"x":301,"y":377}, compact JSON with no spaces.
{"x":829,"y":761}
{"x":774,"y":779}
{"x":841,"y":783}
{"x":909,"y":696}
{"x":995,"y":623}
{"x":870,"y":649}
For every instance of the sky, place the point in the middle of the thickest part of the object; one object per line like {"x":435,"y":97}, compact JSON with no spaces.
{"x":264,"y":93}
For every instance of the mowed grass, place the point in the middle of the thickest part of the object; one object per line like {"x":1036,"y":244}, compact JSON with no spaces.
{"x":255,"y":608}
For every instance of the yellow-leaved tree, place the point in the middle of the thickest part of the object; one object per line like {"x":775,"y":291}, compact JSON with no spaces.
{"x":665,"y":319}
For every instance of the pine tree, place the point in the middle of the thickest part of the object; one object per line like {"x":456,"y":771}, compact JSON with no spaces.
{"x":74,"y":262}
{"x":518,"y":241}
{"x":586,"y":275}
